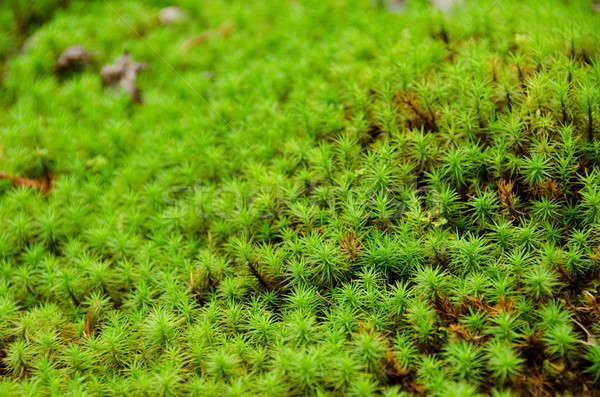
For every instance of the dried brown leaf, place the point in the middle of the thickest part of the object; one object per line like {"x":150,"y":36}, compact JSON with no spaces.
{"x":123,"y":72}
{"x":72,"y":58}
{"x":43,"y":184}
{"x":223,"y":30}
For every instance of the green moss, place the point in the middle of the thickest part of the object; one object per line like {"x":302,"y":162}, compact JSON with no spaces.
{"x":319,"y":198}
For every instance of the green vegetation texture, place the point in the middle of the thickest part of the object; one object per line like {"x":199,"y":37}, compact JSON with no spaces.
{"x":316,"y":197}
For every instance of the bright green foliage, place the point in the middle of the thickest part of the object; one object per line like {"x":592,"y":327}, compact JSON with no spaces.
{"x":318,"y":197}
{"x":503,"y":362}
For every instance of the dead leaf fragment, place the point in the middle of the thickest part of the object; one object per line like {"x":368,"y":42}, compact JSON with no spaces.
{"x":88,"y":329}
{"x":124,"y":72}
{"x":596,"y":6}
{"x":72,"y":58}
{"x":222,"y":30}
{"x":44,"y":184}
{"x":171,"y":14}
{"x":459,"y":331}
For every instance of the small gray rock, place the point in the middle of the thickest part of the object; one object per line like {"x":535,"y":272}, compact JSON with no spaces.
{"x":445,"y":5}
{"x":171,"y":14}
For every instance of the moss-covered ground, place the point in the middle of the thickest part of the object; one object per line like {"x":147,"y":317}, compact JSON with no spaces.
{"x":315,"y":197}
